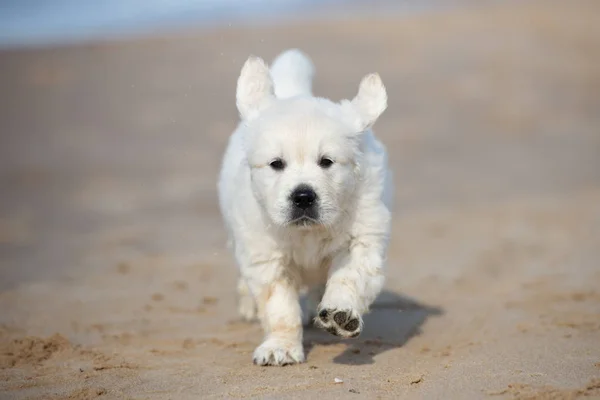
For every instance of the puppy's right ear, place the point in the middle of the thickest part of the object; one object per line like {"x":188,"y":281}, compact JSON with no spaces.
{"x":254,"y":88}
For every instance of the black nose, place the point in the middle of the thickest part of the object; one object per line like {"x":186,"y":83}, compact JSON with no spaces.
{"x":304,"y":197}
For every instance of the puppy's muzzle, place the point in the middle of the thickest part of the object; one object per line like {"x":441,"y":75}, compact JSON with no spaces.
{"x":304,"y":205}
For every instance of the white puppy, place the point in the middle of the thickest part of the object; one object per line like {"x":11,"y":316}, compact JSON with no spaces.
{"x":305,"y":194}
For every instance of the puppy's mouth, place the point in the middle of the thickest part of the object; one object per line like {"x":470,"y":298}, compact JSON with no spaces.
{"x":304,"y":218}
{"x":304,"y":221}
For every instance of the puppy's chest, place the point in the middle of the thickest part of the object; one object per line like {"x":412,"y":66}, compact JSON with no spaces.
{"x":312,"y":254}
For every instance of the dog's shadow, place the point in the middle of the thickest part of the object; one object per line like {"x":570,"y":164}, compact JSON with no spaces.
{"x":392,"y":321}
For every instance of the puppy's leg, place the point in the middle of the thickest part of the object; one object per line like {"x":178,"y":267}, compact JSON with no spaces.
{"x":280,"y":314}
{"x":246,"y":302}
{"x":355,"y":279}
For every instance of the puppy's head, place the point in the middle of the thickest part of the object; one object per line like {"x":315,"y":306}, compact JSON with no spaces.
{"x":304,"y":152}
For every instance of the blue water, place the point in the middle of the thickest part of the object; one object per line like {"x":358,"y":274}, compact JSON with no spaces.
{"x":46,"y":22}
{"x":40,"y":22}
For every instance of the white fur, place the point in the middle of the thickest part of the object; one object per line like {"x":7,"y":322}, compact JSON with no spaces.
{"x":340,"y":257}
{"x":292,"y":72}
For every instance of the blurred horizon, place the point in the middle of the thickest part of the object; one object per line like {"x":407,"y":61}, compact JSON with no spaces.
{"x":37,"y":23}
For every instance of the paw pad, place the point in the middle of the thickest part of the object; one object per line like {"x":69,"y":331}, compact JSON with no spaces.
{"x":344,"y":323}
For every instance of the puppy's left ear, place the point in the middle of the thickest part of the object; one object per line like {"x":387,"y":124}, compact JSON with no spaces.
{"x":371,"y":101}
{"x":254,"y":88}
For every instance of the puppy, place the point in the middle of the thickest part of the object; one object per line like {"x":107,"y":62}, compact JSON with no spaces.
{"x":305,"y":194}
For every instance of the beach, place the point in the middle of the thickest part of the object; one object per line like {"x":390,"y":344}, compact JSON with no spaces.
{"x":115,"y":278}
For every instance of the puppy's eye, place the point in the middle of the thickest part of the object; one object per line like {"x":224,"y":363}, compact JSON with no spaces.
{"x":277,"y":164}
{"x":325,"y":162}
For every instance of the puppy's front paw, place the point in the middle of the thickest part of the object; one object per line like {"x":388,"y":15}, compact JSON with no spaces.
{"x":277,"y":351}
{"x":345,"y":323}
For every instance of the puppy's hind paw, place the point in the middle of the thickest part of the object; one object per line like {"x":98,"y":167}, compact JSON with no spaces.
{"x":345,"y":323}
{"x":247,"y":308}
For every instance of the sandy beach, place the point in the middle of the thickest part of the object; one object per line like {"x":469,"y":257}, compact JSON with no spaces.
{"x":115,"y":280}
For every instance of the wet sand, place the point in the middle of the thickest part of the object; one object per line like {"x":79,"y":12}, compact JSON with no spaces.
{"x":114,"y":277}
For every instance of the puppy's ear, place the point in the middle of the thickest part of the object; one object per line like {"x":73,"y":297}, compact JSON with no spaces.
{"x":254,"y":88}
{"x":371,"y":101}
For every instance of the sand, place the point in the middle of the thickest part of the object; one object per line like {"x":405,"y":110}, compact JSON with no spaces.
{"x":114,"y":276}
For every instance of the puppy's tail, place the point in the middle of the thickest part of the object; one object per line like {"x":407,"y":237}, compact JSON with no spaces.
{"x":292,"y":72}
